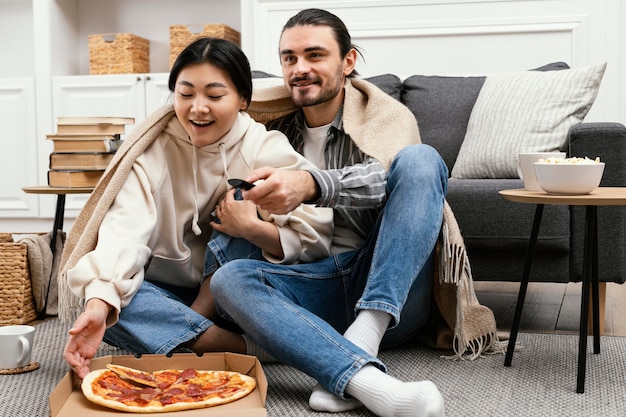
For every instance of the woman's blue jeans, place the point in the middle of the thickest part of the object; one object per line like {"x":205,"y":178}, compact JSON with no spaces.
{"x":157,"y":320}
{"x":298,"y":313}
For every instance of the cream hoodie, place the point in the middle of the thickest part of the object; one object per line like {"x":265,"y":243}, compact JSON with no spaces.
{"x":171,"y":189}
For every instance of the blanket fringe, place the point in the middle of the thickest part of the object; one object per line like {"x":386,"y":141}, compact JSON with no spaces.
{"x":452,"y":261}
{"x":455,"y":268}
{"x":70,"y":306}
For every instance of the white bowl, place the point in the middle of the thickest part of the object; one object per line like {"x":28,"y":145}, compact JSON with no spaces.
{"x":569,"y":179}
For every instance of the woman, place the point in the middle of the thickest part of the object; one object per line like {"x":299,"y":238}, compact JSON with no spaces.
{"x":136,"y":252}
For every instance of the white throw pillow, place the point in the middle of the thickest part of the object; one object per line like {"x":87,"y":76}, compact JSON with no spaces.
{"x":527,"y":111}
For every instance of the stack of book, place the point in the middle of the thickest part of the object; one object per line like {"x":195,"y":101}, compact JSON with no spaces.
{"x":83,"y":148}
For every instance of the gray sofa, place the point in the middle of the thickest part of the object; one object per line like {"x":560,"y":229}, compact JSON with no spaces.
{"x":497,"y":231}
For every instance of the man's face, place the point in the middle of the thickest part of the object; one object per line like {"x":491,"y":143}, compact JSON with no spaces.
{"x":312,"y":67}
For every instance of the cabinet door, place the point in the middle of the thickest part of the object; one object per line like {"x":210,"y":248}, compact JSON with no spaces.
{"x":100,"y":95}
{"x":18,"y":138}
{"x":157,"y":92}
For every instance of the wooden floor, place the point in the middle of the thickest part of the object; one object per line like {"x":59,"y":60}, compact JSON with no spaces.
{"x":550,"y":307}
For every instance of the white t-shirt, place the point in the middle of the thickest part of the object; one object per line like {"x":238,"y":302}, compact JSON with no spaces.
{"x":315,"y":139}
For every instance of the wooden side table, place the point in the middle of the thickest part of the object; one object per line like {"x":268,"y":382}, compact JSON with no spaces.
{"x":602,"y":196}
{"x":59,"y":215}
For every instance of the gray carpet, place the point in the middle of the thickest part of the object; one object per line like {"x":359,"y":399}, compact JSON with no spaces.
{"x":541,"y":382}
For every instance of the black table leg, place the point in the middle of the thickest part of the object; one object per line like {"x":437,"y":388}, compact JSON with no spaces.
{"x":590,"y":283}
{"x":595,"y":284}
{"x":523,"y":285}
{"x":58,"y":225}
{"x":58,"y":221}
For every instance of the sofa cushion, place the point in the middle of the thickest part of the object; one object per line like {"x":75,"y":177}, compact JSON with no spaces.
{"x":389,"y":83}
{"x":490,"y":222}
{"x":442,"y":107}
{"x":526,"y":111}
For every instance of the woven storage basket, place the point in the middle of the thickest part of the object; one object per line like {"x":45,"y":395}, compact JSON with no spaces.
{"x":17,"y":305}
{"x":183,"y":35}
{"x":118,"y":53}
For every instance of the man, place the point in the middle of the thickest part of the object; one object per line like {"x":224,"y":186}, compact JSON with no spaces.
{"x":328,"y":318}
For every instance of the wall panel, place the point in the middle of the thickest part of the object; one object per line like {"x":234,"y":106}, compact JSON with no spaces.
{"x":461,"y":37}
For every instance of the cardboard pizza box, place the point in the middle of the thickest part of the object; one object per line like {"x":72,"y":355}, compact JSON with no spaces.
{"x":67,"y":399}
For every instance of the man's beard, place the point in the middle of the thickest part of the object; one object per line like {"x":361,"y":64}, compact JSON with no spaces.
{"x":327,"y":93}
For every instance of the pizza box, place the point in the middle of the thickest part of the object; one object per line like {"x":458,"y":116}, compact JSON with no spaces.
{"x":67,"y":399}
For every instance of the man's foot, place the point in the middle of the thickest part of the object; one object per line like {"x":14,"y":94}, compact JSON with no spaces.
{"x":387,"y":396}
{"x":323,"y":400}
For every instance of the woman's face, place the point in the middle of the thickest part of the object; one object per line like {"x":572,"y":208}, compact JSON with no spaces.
{"x":206,"y":103}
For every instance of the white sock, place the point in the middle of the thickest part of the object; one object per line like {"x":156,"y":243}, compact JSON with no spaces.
{"x":387,"y":396}
{"x":253,"y":349}
{"x":324,"y":400}
{"x":368,"y":329}
{"x":366,"y":332}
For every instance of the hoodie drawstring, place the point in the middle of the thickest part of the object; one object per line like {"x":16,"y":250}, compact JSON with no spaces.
{"x":194,"y":166}
{"x":223,"y":154}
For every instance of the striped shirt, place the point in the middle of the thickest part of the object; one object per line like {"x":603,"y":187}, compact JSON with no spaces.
{"x":353,"y":183}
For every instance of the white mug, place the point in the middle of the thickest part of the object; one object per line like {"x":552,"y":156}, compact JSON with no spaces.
{"x":526,"y":170}
{"x":16,"y":345}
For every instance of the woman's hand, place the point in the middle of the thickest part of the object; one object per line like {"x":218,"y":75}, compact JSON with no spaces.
{"x":237,"y":217}
{"x":85,"y":336}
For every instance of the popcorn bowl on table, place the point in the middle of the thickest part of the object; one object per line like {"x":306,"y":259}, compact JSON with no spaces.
{"x":569,"y":176}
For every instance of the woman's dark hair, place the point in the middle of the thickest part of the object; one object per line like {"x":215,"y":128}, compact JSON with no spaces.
{"x":219,"y":52}
{"x":319,"y":17}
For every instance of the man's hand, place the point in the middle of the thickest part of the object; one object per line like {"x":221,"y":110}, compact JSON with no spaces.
{"x":85,"y":336}
{"x":282,"y":190}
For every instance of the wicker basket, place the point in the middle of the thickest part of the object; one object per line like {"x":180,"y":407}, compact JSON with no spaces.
{"x":118,"y":53}
{"x":183,"y":35}
{"x":17,"y":305}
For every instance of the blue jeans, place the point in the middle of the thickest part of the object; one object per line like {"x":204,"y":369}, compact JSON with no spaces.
{"x":157,"y":320}
{"x":298,"y":313}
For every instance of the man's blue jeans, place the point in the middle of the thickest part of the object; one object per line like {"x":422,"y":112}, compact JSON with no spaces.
{"x":298,"y":313}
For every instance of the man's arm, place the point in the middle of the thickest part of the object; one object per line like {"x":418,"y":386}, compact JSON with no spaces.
{"x":358,"y":186}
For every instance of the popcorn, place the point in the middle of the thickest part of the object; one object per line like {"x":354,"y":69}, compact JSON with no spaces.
{"x":570,"y":161}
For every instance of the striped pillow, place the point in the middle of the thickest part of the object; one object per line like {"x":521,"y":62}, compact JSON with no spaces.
{"x":528,"y":111}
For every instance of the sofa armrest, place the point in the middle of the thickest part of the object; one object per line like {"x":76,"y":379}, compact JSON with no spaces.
{"x":605,"y":140}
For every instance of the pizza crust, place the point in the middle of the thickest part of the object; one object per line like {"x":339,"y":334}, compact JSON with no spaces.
{"x":244,"y":383}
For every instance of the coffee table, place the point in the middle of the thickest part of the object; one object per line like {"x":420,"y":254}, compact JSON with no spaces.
{"x":602,"y":196}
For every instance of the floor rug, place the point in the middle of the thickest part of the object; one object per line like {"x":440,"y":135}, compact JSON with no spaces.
{"x":541,"y":381}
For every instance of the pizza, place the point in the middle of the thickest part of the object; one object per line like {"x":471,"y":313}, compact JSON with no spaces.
{"x":126,"y":389}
